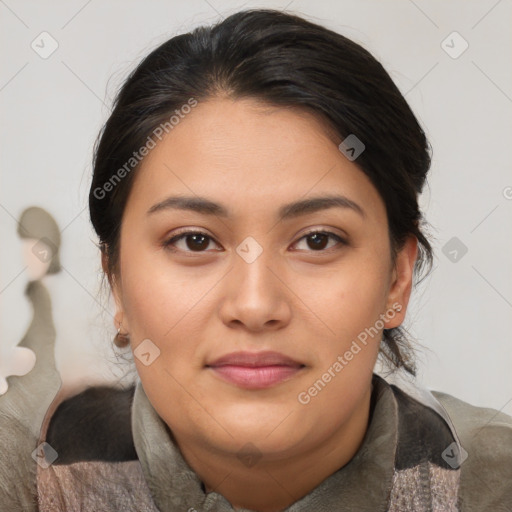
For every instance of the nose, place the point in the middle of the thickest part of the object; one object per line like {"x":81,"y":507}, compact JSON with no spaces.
{"x":255,"y":295}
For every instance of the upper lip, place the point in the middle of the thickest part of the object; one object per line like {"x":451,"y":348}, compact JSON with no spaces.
{"x":255,"y":359}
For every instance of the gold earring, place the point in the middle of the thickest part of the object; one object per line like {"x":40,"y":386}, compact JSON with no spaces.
{"x":121,"y":339}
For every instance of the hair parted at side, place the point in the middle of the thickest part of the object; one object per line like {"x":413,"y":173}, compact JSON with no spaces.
{"x":282,"y":60}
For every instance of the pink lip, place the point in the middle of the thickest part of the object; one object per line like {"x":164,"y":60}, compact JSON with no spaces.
{"x":255,"y":370}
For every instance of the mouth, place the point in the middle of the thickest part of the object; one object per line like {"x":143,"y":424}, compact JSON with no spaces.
{"x":255,"y":370}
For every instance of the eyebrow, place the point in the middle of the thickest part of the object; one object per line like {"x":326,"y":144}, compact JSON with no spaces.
{"x":288,"y":211}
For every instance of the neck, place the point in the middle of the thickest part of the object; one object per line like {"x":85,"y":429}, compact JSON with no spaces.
{"x":273,"y":485}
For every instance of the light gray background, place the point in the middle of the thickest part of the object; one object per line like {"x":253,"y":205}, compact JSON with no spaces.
{"x":52,"y":110}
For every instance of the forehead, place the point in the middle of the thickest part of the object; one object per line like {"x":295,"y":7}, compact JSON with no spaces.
{"x":240,"y":150}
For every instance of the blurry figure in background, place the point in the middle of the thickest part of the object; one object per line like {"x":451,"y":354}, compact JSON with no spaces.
{"x":33,"y":380}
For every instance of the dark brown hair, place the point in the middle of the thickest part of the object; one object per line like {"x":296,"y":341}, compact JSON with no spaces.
{"x":282,"y":60}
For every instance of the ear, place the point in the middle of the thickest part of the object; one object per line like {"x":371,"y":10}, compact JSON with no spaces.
{"x":401,"y":283}
{"x":115,"y":289}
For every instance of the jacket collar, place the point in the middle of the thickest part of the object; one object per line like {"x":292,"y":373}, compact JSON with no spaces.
{"x":363,"y":484}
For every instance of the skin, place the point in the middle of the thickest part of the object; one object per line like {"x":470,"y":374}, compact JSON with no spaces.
{"x":307,"y":303}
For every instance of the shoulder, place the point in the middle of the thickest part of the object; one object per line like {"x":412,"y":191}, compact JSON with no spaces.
{"x":486,"y":467}
{"x":484,"y":430}
{"x":94,"y":425}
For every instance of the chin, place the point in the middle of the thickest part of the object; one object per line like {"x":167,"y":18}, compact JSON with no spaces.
{"x":274,"y":432}
{"x":258,"y":443}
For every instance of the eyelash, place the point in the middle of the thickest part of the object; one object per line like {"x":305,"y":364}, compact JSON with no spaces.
{"x":167,"y":244}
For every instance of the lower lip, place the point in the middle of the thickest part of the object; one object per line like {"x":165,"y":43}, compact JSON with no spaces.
{"x":259,"y":377}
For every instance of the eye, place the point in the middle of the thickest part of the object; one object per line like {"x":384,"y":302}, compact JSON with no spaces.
{"x":193,"y":241}
{"x":198,"y":241}
{"x":317,"y":240}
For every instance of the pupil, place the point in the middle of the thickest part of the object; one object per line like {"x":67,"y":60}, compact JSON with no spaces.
{"x":194,"y":245}
{"x":319,"y":240}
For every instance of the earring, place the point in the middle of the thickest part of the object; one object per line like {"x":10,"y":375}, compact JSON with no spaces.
{"x":121,"y":339}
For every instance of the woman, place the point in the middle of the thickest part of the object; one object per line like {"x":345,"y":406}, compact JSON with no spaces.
{"x":255,"y":194}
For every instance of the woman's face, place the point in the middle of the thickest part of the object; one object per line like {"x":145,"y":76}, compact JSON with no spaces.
{"x":249,"y":279}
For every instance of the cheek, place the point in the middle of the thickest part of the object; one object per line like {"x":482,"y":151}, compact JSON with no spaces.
{"x":154,"y":295}
{"x":350,"y":307}
{"x":349,"y":304}
{"x":349,"y":298}
{"x":160,"y":308}
{"x":168,"y":306}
